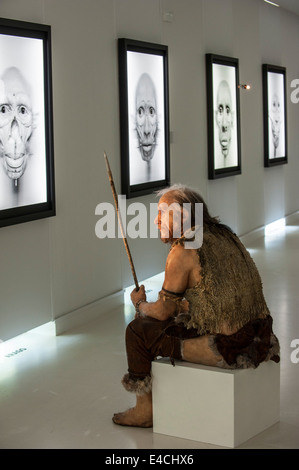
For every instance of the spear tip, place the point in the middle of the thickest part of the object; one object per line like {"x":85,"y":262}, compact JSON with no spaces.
{"x":107,"y":163}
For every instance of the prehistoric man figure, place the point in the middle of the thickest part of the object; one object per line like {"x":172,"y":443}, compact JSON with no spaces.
{"x":16,"y":123}
{"x":146,"y":117}
{"x":224,"y":117}
{"x":211,"y":309}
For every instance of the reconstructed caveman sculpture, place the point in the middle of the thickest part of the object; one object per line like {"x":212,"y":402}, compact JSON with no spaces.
{"x":211,"y":309}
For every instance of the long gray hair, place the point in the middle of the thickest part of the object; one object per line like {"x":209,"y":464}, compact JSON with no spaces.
{"x":185,"y":195}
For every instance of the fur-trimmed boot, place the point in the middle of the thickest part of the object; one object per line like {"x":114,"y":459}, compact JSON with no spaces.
{"x":142,"y":413}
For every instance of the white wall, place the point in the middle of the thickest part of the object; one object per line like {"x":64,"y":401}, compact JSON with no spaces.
{"x":51,"y":267}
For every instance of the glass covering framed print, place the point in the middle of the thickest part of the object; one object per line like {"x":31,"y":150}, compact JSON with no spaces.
{"x":275,"y":115}
{"x":223,"y":113}
{"x":26,"y":127}
{"x":144,"y":116}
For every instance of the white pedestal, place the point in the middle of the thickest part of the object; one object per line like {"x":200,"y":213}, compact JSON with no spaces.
{"x":217,"y":406}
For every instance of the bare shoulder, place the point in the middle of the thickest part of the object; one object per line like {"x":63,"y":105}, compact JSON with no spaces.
{"x":181,"y":257}
{"x":182,"y":269}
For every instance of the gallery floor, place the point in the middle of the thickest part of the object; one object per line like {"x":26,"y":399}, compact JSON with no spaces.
{"x":61,"y":392}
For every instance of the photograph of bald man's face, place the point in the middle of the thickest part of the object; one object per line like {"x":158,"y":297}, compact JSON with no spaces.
{"x":146,"y":117}
{"x":224,"y":117}
{"x":225,"y":136}
{"x":224,"y":149}
{"x":275,"y":115}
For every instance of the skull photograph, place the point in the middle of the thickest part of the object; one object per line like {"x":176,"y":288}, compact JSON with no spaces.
{"x":22,"y":128}
{"x":15,"y":122}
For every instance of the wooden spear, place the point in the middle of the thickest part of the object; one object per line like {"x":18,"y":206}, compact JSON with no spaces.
{"x":120,"y":221}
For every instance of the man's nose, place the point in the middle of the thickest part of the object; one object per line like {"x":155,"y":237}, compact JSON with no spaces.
{"x":146,"y":126}
{"x":224,"y":127}
{"x":15,"y":131}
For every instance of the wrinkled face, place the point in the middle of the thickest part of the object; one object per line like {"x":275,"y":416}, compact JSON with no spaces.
{"x":275,"y":117}
{"x":146,"y":117}
{"x":169,"y":218}
{"x":15,"y":123}
{"x":224,"y":117}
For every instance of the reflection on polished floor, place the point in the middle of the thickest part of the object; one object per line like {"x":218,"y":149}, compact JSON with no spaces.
{"x":61,"y":392}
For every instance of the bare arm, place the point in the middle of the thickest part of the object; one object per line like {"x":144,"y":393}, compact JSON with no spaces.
{"x":177,"y":270}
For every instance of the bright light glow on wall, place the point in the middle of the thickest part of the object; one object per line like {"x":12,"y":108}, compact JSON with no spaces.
{"x":275,"y":227}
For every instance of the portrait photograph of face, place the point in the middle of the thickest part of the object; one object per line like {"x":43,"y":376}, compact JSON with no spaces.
{"x":225,"y":124}
{"x":22,"y":123}
{"x":146,"y":117}
{"x":276,"y":113}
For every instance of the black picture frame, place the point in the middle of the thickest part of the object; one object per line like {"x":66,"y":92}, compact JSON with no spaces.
{"x":144,"y":128}
{"x":223,"y":117}
{"x":27,"y":186}
{"x":274,"y":115}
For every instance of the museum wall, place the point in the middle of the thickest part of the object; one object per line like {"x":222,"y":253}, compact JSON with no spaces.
{"x":54,"y":266}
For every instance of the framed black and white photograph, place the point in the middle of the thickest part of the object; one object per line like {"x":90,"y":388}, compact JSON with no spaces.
{"x":223,"y":113}
{"x":144,"y":116}
{"x":26,"y":128}
{"x":275,"y":115}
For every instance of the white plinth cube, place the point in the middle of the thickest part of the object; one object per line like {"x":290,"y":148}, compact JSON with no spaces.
{"x":212,"y":405}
